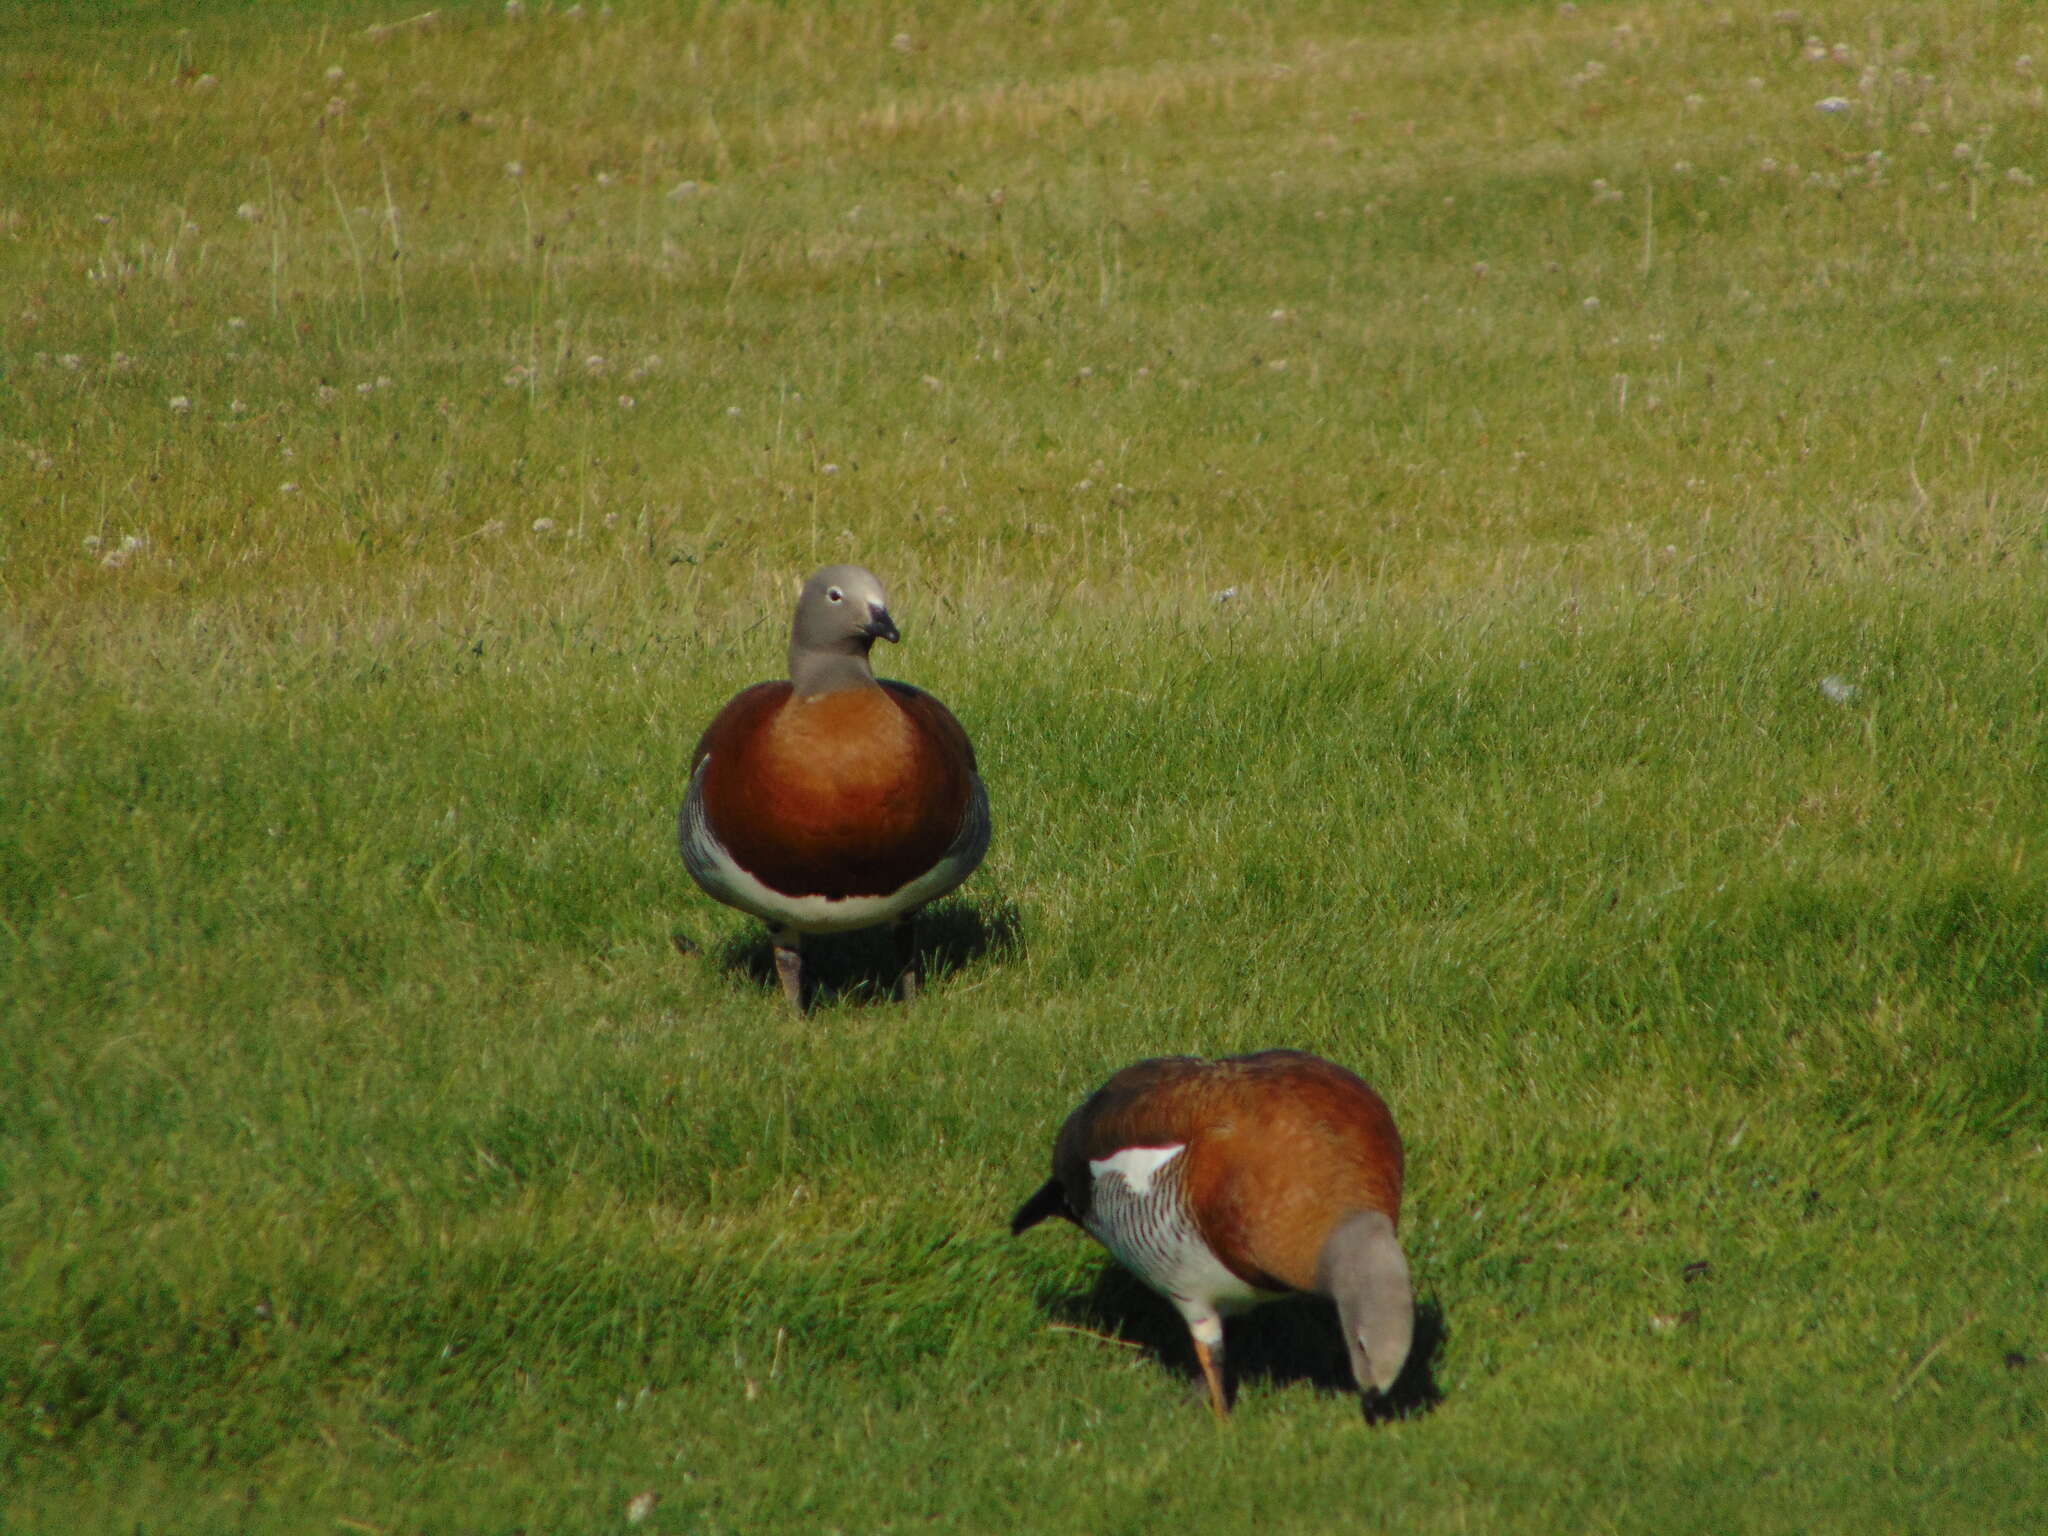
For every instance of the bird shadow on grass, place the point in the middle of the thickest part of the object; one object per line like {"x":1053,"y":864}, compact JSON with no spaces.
{"x":861,"y":968}
{"x":1282,"y":1344}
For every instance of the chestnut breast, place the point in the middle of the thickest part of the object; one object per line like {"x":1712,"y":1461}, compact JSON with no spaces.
{"x":851,"y":793}
{"x":1281,"y":1146}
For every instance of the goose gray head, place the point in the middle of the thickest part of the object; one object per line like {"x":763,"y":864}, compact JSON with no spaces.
{"x":840,"y":614}
{"x":1363,"y":1270}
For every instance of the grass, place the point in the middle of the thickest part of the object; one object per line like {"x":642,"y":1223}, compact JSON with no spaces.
{"x":1622,"y":741}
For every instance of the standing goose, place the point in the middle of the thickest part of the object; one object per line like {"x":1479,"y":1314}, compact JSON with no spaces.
{"x":1222,"y":1184}
{"x":834,"y":801}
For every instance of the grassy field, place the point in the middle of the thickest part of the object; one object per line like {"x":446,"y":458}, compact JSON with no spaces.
{"x":1506,"y":544}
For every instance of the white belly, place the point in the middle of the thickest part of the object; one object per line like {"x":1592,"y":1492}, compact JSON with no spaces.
{"x":720,"y":875}
{"x":1137,"y":1212}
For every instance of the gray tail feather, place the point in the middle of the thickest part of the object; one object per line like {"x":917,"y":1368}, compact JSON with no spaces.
{"x":693,"y":833}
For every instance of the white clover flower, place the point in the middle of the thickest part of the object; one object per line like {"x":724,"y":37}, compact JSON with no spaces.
{"x":289,"y":488}
{"x":71,"y":362}
{"x":237,"y":323}
{"x":1681,"y":167}
{"x":1590,"y":305}
{"x":732,"y":410}
{"x":248,"y":212}
{"x":92,"y":541}
{"x":627,"y":402}
{"x":326,"y":394}
{"x":1755,"y":82}
{"x":596,"y":366}
{"x":1832,"y":104}
{"x":335,"y":72}
{"x":515,"y":168}
{"x":383,"y":381}
{"x":514,"y":10}
{"x":364,"y":388}
{"x":543,"y":525}
{"x":604,"y":178}
{"x":206,"y":83}
{"x":828,"y":469}
{"x":2018,"y":177}
{"x":901,"y":42}
{"x":180,"y":404}
{"x":1694,"y":101}
{"x":682,"y":190}
{"x":238,"y":407}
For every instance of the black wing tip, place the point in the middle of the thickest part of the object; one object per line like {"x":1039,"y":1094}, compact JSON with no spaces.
{"x":1050,"y":1200}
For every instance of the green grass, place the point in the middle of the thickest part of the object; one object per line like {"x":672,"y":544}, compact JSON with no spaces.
{"x":369,"y":1159}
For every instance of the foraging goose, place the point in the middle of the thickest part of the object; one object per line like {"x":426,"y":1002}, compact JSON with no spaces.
{"x":834,"y":801}
{"x":1222,"y":1184}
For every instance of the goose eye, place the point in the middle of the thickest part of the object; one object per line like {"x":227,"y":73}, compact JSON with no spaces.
{"x":834,"y":595}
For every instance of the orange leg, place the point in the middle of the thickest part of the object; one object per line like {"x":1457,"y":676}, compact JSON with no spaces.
{"x":1211,"y":1359}
{"x":789,"y":968}
{"x":909,"y":975}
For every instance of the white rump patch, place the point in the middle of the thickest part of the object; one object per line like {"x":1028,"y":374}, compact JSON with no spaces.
{"x":1138,"y":1166}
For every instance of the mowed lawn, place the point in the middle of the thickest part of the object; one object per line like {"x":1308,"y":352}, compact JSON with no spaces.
{"x":1503,"y":544}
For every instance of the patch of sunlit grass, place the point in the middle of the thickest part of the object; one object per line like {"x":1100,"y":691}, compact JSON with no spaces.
{"x":1502,"y":543}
